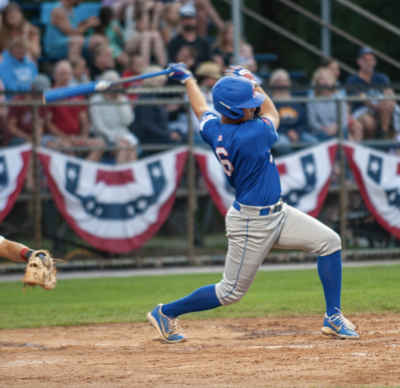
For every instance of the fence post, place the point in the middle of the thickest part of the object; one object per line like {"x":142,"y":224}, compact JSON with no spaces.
{"x":191,"y":183}
{"x":342,"y":180}
{"x":37,"y":204}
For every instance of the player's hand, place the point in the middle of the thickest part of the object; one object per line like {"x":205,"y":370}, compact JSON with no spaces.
{"x":179,"y":72}
{"x":238,"y":71}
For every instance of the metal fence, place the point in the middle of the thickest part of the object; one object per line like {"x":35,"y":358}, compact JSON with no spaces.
{"x":194,"y":233}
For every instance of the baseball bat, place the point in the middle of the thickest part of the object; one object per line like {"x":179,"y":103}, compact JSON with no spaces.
{"x":91,"y":87}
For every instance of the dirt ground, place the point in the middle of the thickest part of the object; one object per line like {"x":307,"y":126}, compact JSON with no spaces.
{"x":259,"y":352}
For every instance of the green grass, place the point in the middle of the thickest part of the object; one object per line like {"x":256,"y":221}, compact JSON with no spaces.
{"x":106,"y":300}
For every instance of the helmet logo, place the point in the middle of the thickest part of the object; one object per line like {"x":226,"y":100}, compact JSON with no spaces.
{"x":226,"y":106}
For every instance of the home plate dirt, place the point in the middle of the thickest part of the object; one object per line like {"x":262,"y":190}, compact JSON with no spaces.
{"x":257,"y":352}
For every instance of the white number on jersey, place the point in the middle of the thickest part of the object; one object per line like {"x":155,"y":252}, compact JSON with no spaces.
{"x":226,"y":164}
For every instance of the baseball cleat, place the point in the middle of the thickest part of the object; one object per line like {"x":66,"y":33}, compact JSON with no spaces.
{"x":338,"y":325}
{"x":168,"y":328}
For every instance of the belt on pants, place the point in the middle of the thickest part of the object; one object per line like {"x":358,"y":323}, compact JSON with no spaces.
{"x":264,"y":211}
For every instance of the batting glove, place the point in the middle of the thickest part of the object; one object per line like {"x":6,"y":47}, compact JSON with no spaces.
{"x":238,"y":71}
{"x":179,"y":72}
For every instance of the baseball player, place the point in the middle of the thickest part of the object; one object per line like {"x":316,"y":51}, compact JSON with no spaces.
{"x":258,"y":219}
{"x":14,"y":251}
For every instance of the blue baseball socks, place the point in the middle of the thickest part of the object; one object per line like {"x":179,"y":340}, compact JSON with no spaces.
{"x":205,"y":298}
{"x":330,"y":273}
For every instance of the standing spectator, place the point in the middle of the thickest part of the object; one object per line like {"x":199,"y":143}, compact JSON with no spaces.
{"x":14,"y":26}
{"x":64,"y":36}
{"x":170,"y":23}
{"x":222,"y":53}
{"x":135,"y":67}
{"x":143,"y":37}
{"x":20,"y":121}
{"x":151,"y":121}
{"x":17,"y":71}
{"x":189,"y":37}
{"x":205,"y":11}
{"x":323,"y":116}
{"x":102,"y":60}
{"x":111,"y":121}
{"x":113,"y":31}
{"x":293,"y":125}
{"x":370,"y":112}
{"x":79,"y":70}
{"x":69,"y":126}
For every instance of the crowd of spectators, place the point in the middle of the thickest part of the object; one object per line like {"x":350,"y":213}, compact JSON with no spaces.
{"x":131,"y":37}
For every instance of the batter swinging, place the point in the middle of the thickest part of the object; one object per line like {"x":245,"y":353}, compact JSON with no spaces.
{"x":258,"y":220}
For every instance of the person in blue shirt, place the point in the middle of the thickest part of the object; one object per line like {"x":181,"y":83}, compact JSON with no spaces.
{"x":371,"y":84}
{"x":258,"y":219}
{"x":17,"y":71}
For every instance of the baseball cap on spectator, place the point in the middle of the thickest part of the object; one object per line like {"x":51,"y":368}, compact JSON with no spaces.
{"x":188,"y":10}
{"x":209,"y":69}
{"x":365,"y":50}
{"x":41,"y":83}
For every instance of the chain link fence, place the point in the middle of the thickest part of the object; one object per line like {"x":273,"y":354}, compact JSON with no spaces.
{"x":122,"y":130}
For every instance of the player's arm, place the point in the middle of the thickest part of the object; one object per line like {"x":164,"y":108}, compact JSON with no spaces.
{"x":268,"y":109}
{"x":14,"y":251}
{"x":196,"y":98}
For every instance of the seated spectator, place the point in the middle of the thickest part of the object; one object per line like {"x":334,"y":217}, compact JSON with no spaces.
{"x":170,"y":22}
{"x":17,"y":71}
{"x":111,"y":121}
{"x":189,"y":37}
{"x":135,"y":67}
{"x":333,"y":66}
{"x":323,"y":116}
{"x":187,"y":55}
{"x":293,"y":124}
{"x":371,"y":112}
{"x":69,"y":126}
{"x":151,"y":121}
{"x":64,"y":36}
{"x":110,"y":28}
{"x":102,"y":60}
{"x":119,"y":7}
{"x":205,"y":11}
{"x":15,"y":26}
{"x":142,"y":35}
{"x":20,"y":120}
{"x":223,"y":55}
{"x":79,"y":70}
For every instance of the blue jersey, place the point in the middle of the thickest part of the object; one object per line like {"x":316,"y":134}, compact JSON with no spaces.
{"x":244,"y":150}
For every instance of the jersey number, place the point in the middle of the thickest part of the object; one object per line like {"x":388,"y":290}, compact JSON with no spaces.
{"x":226,"y":164}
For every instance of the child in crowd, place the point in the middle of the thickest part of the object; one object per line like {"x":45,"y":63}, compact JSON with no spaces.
{"x":80,"y":71}
{"x":111,"y":28}
{"x":135,"y":67}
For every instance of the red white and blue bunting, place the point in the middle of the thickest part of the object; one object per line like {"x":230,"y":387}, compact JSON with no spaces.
{"x":114,"y":208}
{"x":378,"y":178}
{"x":305,"y":177}
{"x":14,"y":163}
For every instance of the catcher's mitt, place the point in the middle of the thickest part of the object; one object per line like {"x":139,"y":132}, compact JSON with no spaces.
{"x":41,"y":271}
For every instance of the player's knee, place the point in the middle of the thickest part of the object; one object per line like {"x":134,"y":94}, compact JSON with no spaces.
{"x":229,"y":293}
{"x":332,"y":243}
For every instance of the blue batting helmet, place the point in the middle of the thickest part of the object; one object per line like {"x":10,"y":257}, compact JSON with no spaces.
{"x":232,"y":94}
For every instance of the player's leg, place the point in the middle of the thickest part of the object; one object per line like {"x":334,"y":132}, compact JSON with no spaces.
{"x":250,"y":238}
{"x":301,"y":231}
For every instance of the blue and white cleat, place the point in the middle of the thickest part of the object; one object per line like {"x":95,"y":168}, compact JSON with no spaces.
{"x":338,"y":325}
{"x":168,"y":328}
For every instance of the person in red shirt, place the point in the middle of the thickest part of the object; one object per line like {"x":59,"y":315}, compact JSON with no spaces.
{"x":69,"y":125}
{"x":135,"y":68}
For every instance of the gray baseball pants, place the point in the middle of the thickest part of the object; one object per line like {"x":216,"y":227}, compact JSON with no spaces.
{"x":251,"y":237}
